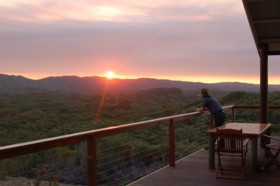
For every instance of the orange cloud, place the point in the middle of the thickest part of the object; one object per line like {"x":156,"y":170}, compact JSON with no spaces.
{"x":213,"y":79}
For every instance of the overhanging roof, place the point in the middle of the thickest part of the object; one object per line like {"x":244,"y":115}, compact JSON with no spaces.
{"x":264,"y":20}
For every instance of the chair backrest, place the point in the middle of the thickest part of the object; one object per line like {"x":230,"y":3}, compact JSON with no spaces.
{"x":229,"y":140}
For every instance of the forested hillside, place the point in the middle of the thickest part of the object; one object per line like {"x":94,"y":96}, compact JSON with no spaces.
{"x":20,"y":84}
{"x":26,"y":117}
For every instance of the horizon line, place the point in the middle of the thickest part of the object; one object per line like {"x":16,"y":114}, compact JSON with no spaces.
{"x":131,"y":78}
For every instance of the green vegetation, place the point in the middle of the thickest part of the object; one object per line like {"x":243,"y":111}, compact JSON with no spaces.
{"x":26,"y":117}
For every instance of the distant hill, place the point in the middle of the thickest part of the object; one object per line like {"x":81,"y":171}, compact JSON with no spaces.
{"x":20,"y":84}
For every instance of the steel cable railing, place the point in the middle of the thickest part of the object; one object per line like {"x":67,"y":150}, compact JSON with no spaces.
{"x":131,"y":159}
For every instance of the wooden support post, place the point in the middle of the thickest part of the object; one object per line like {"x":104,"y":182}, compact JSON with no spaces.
{"x":91,"y":157}
{"x":171,"y":143}
{"x":263,"y":87}
{"x":263,"y":83}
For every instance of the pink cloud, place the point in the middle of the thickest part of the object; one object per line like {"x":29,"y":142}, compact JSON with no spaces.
{"x":175,"y":39}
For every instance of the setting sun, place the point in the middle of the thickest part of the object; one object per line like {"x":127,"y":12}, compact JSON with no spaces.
{"x":110,"y":75}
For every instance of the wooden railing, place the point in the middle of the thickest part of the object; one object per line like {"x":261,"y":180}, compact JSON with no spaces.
{"x":91,"y":136}
{"x":252,"y":107}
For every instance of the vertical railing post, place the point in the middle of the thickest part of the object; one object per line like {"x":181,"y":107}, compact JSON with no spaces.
{"x":233,"y":114}
{"x":91,"y":158}
{"x":171,"y":143}
{"x":212,"y":121}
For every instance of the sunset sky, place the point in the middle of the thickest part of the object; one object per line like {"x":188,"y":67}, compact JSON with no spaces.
{"x":188,"y":40}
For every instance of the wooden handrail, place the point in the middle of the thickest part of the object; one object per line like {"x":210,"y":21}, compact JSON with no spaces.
{"x":253,"y":107}
{"x":249,"y":107}
{"x":44,"y":144}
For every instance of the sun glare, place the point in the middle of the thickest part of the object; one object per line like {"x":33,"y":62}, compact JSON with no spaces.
{"x":110,"y":75}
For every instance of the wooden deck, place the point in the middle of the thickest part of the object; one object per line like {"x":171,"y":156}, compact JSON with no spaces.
{"x":193,"y":170}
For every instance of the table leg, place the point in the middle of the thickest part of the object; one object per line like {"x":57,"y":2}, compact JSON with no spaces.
{"x":211,"y":152}
{"x":255,"y":154}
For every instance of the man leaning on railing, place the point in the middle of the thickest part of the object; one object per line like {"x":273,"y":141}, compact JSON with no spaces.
{"x":213,"y":106}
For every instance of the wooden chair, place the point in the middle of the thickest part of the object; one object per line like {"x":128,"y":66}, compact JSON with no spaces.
{"x":230,"y":142}
{"x":274,"y":151}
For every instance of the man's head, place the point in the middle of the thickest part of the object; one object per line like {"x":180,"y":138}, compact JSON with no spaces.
{"x":204,"y":92}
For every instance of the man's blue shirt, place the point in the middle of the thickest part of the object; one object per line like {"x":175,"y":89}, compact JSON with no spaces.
{"x":211,"y":104}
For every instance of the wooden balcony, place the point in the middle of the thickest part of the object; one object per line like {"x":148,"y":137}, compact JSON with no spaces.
{"x":193,"y":170}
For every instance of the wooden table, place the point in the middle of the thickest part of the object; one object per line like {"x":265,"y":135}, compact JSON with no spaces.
{"x":249,"y":130}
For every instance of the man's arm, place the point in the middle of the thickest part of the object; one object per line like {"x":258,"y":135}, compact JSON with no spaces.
{"x":200,"y":109}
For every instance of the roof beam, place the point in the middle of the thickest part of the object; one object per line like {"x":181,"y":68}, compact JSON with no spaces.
{"x":270,"y":40}
{"x":267,"y":21}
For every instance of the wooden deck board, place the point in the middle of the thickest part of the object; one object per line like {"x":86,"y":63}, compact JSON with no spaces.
{"x":193,"y":171}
